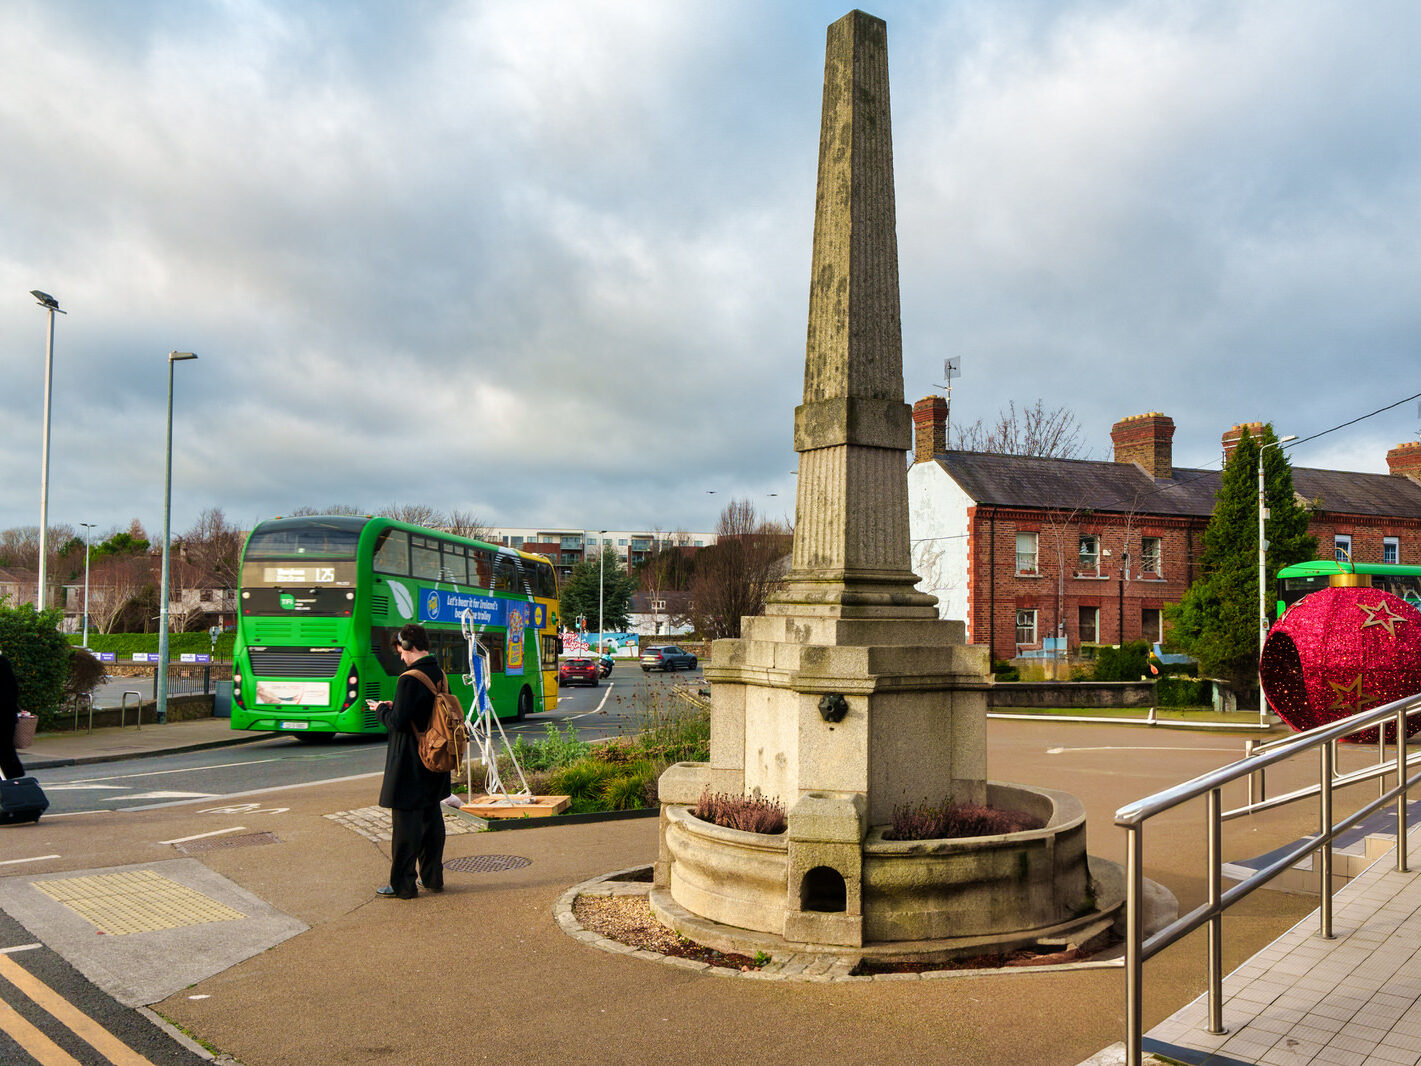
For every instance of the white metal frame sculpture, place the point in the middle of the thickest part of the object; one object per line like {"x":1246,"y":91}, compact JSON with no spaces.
{"x":482,"y":722}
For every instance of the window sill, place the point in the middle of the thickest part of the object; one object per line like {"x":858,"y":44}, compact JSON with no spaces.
{"x":1090,"y":575}
{"x":1034,"y":574}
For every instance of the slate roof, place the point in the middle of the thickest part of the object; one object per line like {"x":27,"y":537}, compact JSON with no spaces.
{"x":1091,"y":484}
{"x":1103,"y":485}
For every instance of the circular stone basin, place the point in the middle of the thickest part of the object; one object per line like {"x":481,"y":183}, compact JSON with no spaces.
{"x":1004,"y":885}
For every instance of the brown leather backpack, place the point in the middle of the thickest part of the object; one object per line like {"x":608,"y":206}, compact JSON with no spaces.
{"x":442,"y":745}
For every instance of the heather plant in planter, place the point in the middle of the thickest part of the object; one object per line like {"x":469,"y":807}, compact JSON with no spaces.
{"x":753,"y":814}
{"x":929,"y":821}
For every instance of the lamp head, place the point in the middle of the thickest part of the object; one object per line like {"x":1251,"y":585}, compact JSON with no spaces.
{"x":174,"y":357}
{"x":45,"y":300}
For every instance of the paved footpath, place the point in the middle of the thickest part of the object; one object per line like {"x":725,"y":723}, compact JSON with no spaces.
{"x":334,"y":975}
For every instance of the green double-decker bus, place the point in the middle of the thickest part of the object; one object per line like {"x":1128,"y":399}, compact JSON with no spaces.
{"x":1297,"y":580}
{"x":321,"y":596}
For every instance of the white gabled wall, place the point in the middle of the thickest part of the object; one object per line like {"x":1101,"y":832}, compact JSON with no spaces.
{"x":937,"y":529}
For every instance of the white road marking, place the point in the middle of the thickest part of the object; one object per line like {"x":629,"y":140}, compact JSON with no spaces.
{"x":86,"y":788}
{"x":1058,"y":751}
{"x":169,"y":795}
{"x":184,"y":770}
{"x":21,"y":947}
{"x":34,"y":858}
{"x":595,"y":710}
{"x":200,"y":836}
{"x":248,"y":792}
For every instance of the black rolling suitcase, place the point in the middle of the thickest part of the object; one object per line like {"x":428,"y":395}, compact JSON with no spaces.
{"x":21,"y":800}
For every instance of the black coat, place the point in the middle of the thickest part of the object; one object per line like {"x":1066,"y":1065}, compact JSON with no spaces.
{"x":408,"y":784}
{"x":10,"y":696}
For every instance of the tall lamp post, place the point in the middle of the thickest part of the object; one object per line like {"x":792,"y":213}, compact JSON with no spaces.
{"x":51,"y":305}
{"x":162,"y":694}
{"x":1263,"y":573}
{"x":601,"y":586}
{"x":88,"y":527}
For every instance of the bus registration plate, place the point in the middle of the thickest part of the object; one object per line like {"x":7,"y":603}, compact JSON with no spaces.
{"x":295,"y":725}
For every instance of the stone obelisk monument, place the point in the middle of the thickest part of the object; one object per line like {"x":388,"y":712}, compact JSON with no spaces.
{"x":849,"y":695}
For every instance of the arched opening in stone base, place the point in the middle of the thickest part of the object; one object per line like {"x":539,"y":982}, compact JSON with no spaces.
{"x":823,"y":890}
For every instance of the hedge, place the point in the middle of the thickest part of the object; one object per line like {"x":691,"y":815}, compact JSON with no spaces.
{"x":125,"y":644}
{"x":36,"y":649}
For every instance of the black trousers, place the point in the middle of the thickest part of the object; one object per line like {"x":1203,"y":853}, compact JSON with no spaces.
{"x":10,"y":764}
{"x":417,"y":839}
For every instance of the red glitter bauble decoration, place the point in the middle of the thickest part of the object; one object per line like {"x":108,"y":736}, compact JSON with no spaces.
{"x":1339,"y":651}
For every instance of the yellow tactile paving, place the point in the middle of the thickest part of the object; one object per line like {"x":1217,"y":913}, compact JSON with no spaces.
{"x":135,"y":901}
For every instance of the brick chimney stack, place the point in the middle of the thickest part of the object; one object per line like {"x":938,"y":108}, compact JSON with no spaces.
{"x":929,"y":428}
{"x":1147,"y":441}
{"x":1405,"y":459}
{"x":1232,"y":436}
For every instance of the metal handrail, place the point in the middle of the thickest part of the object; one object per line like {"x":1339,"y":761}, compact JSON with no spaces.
{"x":123,"y":708}
{"x":1132,"y":819}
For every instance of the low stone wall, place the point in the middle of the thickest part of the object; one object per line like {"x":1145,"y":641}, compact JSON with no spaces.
{"x":180,"y":709}
{"x":1010,"y":694}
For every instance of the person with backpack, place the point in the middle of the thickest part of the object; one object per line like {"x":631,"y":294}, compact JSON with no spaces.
{"x":409,"y":789}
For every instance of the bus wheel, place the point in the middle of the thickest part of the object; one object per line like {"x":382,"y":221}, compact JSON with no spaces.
{"x":315,"y":738}
{"x":525,"y":704}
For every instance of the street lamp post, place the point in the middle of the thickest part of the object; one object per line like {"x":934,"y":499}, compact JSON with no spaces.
{"x":51,"y":306}
{"x":162,"y":694}
{"x":601,"y":586}
{"x":88,"y":527}
{"x":1263,"y":573}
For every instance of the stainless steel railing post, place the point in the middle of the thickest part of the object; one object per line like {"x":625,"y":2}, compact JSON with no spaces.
{"x":1381,"y":759}
{"x":1216,"y":919}
{"x":1401,"y":826}
{"x":123,"y":707}
{"x":1324,"y":863}
{"x":1134,"y":946}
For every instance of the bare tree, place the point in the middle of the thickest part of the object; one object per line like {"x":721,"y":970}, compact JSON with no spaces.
{"x":1033,"y":431}
{"x":667,"y":568}
{"x":213,"y":548}
{"x":114,"y":582}
{"x":19,"y":547}
{"x":336,"y":508}
{"x":416,"y":514}
{"x":468,"y":524}
{"x":736,"y":575}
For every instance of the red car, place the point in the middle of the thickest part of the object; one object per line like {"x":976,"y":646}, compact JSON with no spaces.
{"x":583,"y":670}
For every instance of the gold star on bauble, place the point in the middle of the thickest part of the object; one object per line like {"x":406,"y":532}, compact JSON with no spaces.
{"x":1387,"y":620}
{"x":1351,"y":696}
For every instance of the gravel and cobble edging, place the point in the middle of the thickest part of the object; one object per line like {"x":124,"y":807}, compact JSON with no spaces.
{"x":798,"y":966}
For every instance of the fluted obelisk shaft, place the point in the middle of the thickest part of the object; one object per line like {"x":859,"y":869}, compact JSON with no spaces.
{"x":851,"y":551}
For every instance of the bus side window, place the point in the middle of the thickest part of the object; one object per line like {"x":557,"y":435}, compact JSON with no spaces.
{"x":424,"y":559}
{"x":453,"y":565}
{"x":547,"y":580}
{"x":495,"y":643}
{"x":551,"y":646}
{"x":505,"y":573}
{"x":481,"y":568}
{"x":392,"y":552}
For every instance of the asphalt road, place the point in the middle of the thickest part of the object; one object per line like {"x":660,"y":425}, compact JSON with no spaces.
{"x":610,"y":709}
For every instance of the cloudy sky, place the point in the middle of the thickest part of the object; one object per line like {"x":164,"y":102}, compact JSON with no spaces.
{"x":548,"y":260}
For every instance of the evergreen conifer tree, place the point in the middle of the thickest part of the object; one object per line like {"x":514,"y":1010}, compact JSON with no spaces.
{"x":580,"y":593}
{"x":1217,"y":621}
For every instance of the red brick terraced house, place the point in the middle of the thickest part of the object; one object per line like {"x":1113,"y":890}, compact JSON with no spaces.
{"x":1092,"y":551}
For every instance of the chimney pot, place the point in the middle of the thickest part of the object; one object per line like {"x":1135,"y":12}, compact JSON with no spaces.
{"x":1405,"y":459}
{"x":929,"y":428}
{"x":1146,"y":440}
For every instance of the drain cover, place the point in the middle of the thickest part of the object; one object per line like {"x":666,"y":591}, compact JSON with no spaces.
{"x":486,"y":864}
{"x":245,"y":840}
